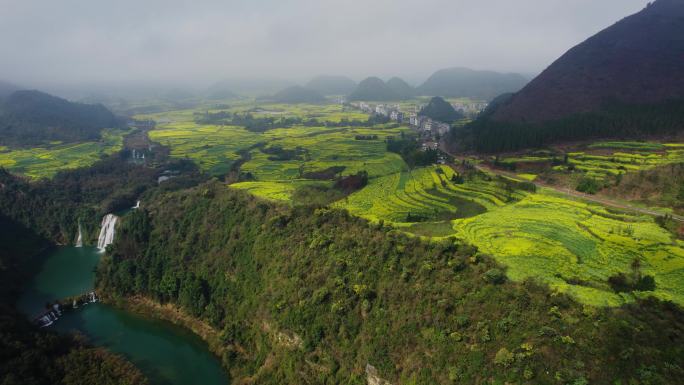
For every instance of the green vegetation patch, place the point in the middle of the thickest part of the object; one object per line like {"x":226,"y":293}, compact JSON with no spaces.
{"x":46,"y":161}
{"x":577,"y":247}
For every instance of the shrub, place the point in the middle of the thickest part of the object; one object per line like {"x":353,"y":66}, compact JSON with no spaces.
{"x":504,"y":358}
{"x":495,"y":276}
{"x":588,"y":186}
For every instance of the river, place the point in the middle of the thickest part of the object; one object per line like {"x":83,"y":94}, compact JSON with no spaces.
{"x":165,"y":353}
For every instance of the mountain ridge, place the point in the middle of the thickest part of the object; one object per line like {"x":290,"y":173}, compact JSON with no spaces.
{"x":638,"y":60}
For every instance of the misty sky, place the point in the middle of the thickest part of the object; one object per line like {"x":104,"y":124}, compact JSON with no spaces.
{"x":94,"y":41}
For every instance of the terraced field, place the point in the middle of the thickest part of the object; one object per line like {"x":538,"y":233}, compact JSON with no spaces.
{"x":605,"y":160}
{"x":46,"y":161}
{"x":573,"y":246}
{"x":576,"y":247}
{"x":424,"y":195}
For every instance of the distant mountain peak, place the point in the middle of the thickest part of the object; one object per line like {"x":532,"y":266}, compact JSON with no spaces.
{"x":297,"y":94}
{"x":375,"y":89}
{"x":466,"y":82}
{"x":34,"y":117}
{"x":331,"y":85}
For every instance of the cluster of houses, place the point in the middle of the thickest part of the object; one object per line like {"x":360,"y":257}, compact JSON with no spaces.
{"x":390,"y":111}
{"x":428,"y":127}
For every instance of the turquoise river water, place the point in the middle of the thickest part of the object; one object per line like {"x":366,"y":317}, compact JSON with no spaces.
{"x":165,"y":353}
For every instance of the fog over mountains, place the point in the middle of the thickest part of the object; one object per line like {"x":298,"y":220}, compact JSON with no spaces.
{"x":199,"y":43}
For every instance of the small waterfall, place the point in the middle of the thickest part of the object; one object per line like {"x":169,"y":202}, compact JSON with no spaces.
{"x":79,"y":238}
{"x":137,"y":205}
{"x":107,"y":231}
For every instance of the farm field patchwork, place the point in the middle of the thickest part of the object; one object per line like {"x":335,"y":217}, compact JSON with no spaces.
{"x":46,"y":161}
{"x":573,"y":246}
{"x":215,"y":147}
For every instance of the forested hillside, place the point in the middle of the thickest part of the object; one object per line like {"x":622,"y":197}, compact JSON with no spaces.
{"x":33,"y":117}
{"x":317,"y":295}
{"x":53,"y":208}
{"x":624,"y":82}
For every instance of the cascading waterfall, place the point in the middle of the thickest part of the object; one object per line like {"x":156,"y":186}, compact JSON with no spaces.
{"x":137,"y":205}
{"x":79,"y":239}
{"x":107,"y":231}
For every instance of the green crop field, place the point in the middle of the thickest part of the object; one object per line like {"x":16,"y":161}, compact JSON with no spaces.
{"x":46,"y":161}
{"x":215,"y":148}
{"x":274,"y":190}
{"x":576,"y":247}
{"x":424,"y":193}
{"x":572,"y":246}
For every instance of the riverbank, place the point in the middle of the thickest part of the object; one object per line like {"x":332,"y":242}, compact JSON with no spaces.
{"x":169,"y":312}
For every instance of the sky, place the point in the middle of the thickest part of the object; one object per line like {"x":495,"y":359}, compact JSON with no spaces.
{"x":203,"y":41}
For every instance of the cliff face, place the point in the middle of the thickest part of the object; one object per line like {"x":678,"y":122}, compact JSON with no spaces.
{"x":639,"y":60}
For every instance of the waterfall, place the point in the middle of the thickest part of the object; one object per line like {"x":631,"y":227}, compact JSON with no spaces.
{"x":137,"y":205}
{"x":107,"y":231}
{"x":79,"y":239}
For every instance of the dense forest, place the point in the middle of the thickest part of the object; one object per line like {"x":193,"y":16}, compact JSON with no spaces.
{"x":33,"y":117}
{"x":53,"y":208}
{"x":615,"y":120}
{"x":32,"y":356}
{"x":315,"y":295}
{"x":412,"y":153}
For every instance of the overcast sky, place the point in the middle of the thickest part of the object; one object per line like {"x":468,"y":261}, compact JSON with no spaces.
{"x":100,"y":41}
